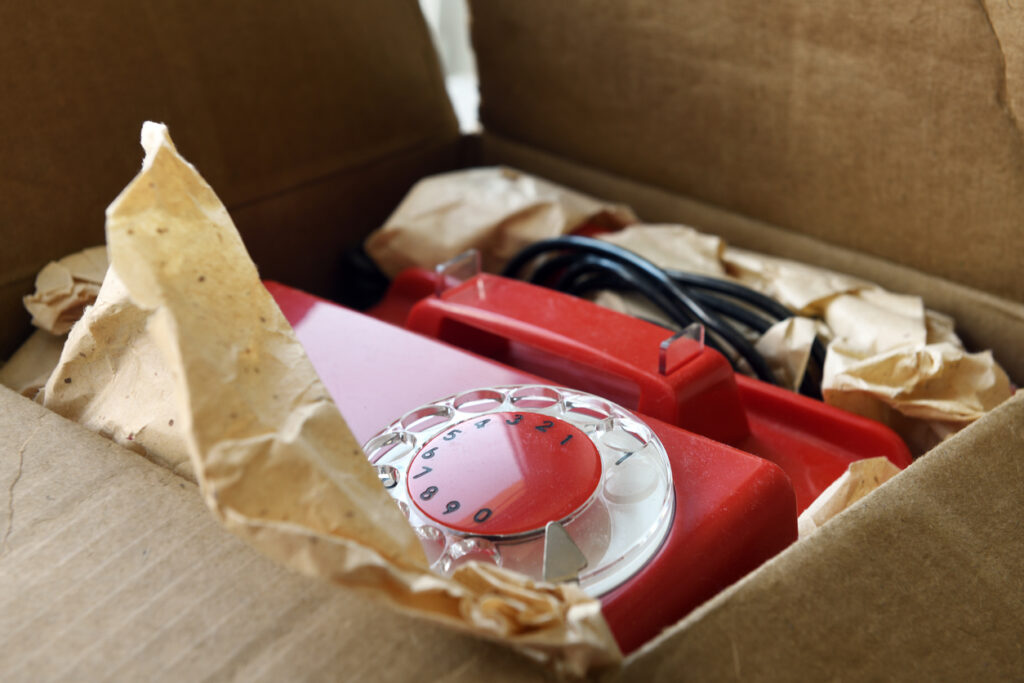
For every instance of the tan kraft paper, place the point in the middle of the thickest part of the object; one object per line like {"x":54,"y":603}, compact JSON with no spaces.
{"x":860,"y":478}
{"x":64,"y":288}
{"x":888,"y":359}
{"x":28,"y":369}
{"x":275,"y":461}
{"x":495,"y":210}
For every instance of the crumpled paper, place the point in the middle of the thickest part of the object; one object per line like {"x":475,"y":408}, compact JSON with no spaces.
{"x":802,"y":288}
{"x":64,"y":288}
{"x":28,"y":369}
{"x":927,"y":392}
{"x":677,"y":247}
{"x":861,"y":478}
{"x":112,"y":379}
{"x":274,"y":459}
{"x":495,"y":210}
{"x":889,"y":358}
{"x":786,"y":347}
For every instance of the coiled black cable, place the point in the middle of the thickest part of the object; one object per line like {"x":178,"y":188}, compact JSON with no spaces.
{"x":589,"y":273}
{"x":750,"y":296}
{"x":679,"y":301}
{"x":580,"y":264}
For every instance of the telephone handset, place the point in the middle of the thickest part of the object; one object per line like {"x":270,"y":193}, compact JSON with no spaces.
{"x":537,"y":468}
{"x":585,"y":346}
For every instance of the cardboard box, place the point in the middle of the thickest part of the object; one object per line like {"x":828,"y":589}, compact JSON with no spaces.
{"x":883,"y":140}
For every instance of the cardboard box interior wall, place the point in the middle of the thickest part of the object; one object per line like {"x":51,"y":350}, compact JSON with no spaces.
{"x":880,"y":140}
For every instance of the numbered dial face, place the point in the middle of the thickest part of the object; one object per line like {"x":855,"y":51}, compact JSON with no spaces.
{"x":480,"y":474}
{"x":504,"y":474}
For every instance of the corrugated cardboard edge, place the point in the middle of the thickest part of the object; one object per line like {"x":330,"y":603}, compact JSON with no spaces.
{"x":983,"y":320}
{"x":920,"y":581}
{"x":112,"y":567}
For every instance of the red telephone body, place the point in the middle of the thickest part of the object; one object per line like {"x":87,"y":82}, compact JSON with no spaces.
{"x":580,"y":344}
{"x":732,"y":511}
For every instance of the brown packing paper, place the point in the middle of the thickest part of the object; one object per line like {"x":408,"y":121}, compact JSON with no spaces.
{"x":673,"y":246}
{"x":64,"y":288}
{"x":861,"y":478}
{"x":786,"y":346}
{"x":273,"y":457}
{"x":926,"y":392}
{"x":889,"y":358}
{"x":112,"y":379}
{"x":28,"y":369}
{"x":800,"y":287}
{"x":496,"y":210}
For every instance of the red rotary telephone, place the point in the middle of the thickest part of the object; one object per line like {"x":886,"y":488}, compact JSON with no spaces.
{"x":517,"y":425}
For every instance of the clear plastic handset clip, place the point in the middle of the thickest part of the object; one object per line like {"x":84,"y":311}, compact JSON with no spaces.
{"x":457,"y":270}
{"x":674,"y":351}
{"x":482,"y":475}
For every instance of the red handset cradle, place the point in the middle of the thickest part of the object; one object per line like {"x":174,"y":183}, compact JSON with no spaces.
{"x":592,"y":348}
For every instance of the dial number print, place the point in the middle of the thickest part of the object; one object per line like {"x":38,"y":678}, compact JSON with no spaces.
{"x":428,"y":493}
{"x":482,"y":515}
{"x":519,"y":418}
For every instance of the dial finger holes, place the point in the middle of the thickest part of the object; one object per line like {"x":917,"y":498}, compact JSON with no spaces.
{"x":526,"y":398}
{"x":587,"y":411}
{"x":623,"y":440}
{"x":388,"y":447}
{"x":388,"y":476}
{"x":479,"y":401}
{"x":632,"y":481}
{"x":452,"y":466}
{"x":426,"y":417}
{"x":468,"y":550}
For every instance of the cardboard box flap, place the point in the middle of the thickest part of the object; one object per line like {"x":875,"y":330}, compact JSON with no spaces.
{"x":920,"y":581}
{"x":271,"y":101}
{"x":892,"y":129}
{"x":983,"y":320}
{"x":111,"y":567}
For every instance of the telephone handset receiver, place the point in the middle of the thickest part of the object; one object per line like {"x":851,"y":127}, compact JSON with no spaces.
{"x":553,"y":483}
